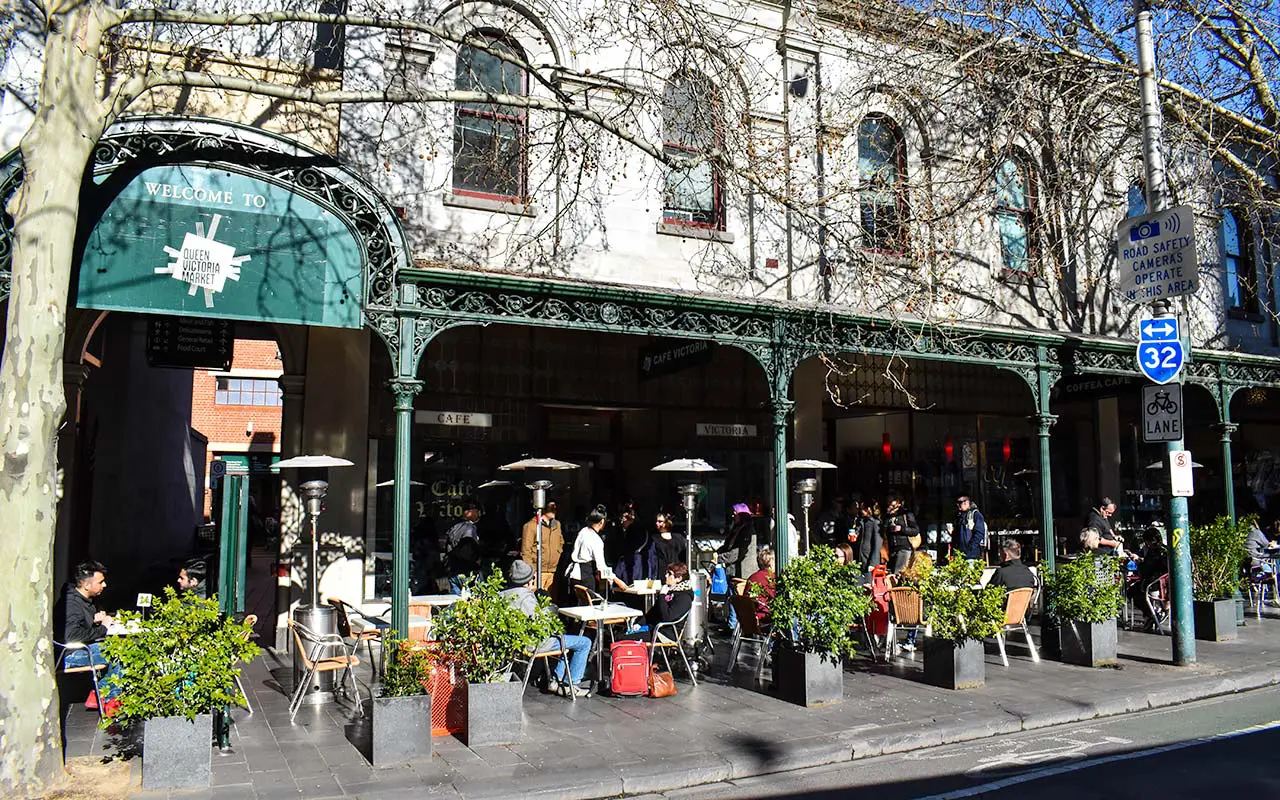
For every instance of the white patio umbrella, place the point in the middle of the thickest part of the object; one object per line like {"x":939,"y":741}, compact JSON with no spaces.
{"x":493,"y":484}
{"x":538,"y":463}
{"x":810,"y":463}
{"x":385,"y":484}
{"x":687,"y":465}
{"x":312,"y":462}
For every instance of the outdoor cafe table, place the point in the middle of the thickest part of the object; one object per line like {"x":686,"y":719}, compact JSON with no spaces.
{"x":644,"y":589}
{"x":601,"y":614}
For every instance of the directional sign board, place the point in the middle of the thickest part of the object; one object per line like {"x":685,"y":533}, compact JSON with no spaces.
{"x":1180,"y":479}
{"x":1162,"y":413}
{"x":1160,"y":353}
{"x":1156,"y":255}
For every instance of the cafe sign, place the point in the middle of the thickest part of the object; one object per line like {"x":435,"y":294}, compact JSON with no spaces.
{"x":464,"y":419}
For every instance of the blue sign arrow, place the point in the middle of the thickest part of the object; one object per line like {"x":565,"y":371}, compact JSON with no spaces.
{"x":1160,"y":361}
{"x":1159,"y":329}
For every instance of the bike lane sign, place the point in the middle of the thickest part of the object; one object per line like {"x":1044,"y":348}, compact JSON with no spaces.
{"x":1160,"y":353}
{"x":1162,"y":413}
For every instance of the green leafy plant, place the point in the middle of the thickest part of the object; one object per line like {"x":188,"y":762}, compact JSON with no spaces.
{"x":817,"y":601}
{"x":482,"y":634}
{"x":180,"y":662}
{"x":1217,"y":551}
{"x":1086,"y":589}
{"x":408,"y":668}
{"x":954,"y":609}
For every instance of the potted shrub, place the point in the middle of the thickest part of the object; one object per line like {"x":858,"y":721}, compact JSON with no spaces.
{"x":817,"y":601}
{"x":959,"y":614}
{"x":402,"y":713}
{"x":1083,"y":600}
{"x":176,"y":667}
{"x":1217,"y":551}
{"x":481,"y":636}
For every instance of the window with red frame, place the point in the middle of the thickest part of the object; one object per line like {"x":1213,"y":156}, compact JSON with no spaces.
{"x":489,"y":140}
{"x":1015,"y":214}
{"x":882,"y":177}
{"x":691,"y":127}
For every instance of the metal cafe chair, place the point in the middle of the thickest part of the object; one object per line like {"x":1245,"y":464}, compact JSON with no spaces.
{"x":528,"y":657}
{"x":250,"y":620}
{"x":672,"y":638}
{"x":1261,"y":579}
{"x":311,"y":647}
{"x":92,"y":667}
{"x":749,"y":631}
{"x":347,"y":619}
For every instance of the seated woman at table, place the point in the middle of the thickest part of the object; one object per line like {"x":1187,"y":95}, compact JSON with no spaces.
{"x":670,"y":604}
{"x":760,"y":583}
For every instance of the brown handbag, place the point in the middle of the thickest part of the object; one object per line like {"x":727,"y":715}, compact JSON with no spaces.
{"x":661,"y":684}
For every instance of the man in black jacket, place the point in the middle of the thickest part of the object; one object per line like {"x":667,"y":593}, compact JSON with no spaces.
{"x":1013,"y":574}
{"x":78,"y":620}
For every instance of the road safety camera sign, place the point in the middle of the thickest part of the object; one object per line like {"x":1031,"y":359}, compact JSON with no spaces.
{"x":1162,"y":413}
{"x":1156,"y":255}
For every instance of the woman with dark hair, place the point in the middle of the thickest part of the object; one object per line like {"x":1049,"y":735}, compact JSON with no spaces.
{"x":669,"y":545}
{"x":587,"y":563}
{"x":903,"y":533}
{"x":844,"y":553}
{"x":670,"y":604}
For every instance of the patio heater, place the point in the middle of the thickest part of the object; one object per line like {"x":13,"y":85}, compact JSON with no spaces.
{"x":695,"y":628}
{"x":807,"y":488}
{"x":539,"y":488}
{"x":312,"y":615}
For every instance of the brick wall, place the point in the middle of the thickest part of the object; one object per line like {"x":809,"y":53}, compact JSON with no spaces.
{"x":228,"y":427}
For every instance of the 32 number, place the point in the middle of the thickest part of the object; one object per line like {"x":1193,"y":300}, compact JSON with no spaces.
{"x":1163,"y":357}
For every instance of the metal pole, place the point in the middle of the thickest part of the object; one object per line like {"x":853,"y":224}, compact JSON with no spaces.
{"x":1184,"y":643}
{"x":1044,"y":421}
{"x":782,"y":538}
{"x":405,"y":390}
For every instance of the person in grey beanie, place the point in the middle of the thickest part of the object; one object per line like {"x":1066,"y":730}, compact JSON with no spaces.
{"x":521,"y":579}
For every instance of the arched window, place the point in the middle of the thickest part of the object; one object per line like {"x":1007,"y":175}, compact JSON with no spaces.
{"x":691,"y":127}
{"x":882,"y":181}
{"x":489,"y":139}
{"x":1238,"y":262}
{"x":1015,"y":215}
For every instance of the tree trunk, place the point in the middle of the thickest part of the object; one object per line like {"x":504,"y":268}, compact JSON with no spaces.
{"x":56,"y":152}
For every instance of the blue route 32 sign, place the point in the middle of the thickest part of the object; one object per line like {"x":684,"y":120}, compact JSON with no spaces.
{"x":1160,"y":353}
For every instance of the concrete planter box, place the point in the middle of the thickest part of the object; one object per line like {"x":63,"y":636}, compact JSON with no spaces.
{"x":177,"y":752}
{"x":808,"y":679}
{"x":1215,"y":619}
{"x":953,"y":665}
{"x":1086,"y":644}
{"x":401,"y":730}
{"x":494,"y":713}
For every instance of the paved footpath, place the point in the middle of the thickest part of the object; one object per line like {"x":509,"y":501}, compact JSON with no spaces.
{"x":606,"y":747}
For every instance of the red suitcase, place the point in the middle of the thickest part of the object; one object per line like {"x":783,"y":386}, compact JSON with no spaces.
{"x":629,"y":673}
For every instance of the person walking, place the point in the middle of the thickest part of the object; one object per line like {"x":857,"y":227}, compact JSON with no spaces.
{"x":868,"y":538}
{"x":903,"y":532}
{"x":586,"y":563}
{"x":462,"y":548}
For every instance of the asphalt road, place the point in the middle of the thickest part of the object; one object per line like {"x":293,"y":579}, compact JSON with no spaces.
{"x":1217,"y":749}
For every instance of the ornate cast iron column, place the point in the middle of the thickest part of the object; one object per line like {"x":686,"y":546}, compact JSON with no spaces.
{"x":782,"y":364}
{"x":1045,"y":379}
{"x":1226,"y":428}
{"x":404,"y":390}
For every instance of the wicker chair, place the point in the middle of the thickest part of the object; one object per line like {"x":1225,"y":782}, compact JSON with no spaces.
{"x":906,"y":612}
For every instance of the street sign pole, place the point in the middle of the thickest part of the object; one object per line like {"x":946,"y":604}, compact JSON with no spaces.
{"x":1184,"y":643}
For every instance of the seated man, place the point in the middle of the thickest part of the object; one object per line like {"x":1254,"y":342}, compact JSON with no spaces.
{"x":521,"y":595}
{"x":1012,"y":573}
{"x":191,"y":578}
{"x":77,"y":620}
{"x":1153,"y":561}
{"x":1256,"y":545}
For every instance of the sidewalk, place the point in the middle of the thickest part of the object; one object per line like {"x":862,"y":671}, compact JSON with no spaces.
{"x":604,"y":747}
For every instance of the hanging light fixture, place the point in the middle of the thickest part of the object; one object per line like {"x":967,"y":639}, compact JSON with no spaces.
{"x":1007,"y":449}
{"x":886,"y":446}
{"x":949,"y":449}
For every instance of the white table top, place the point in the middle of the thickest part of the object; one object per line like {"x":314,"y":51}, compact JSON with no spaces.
{"x":641,"y":589}
{"x":597,"y":613}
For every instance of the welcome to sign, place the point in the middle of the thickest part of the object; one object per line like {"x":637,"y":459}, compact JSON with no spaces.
{"x":200,"y":241}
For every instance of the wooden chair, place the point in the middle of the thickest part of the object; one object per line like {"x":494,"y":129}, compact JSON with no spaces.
{"x":748,"y":630}
{"x":530,"y":656}
{"x":311,"y":647}
{"x":739,"y":585}
{"x":673,"y":638}
{"x":906,"y":612}
{"x":1016,"y":605}
{"x":91,"y":668}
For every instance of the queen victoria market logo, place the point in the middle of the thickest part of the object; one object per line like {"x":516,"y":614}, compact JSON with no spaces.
{"x":203,"y":263}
